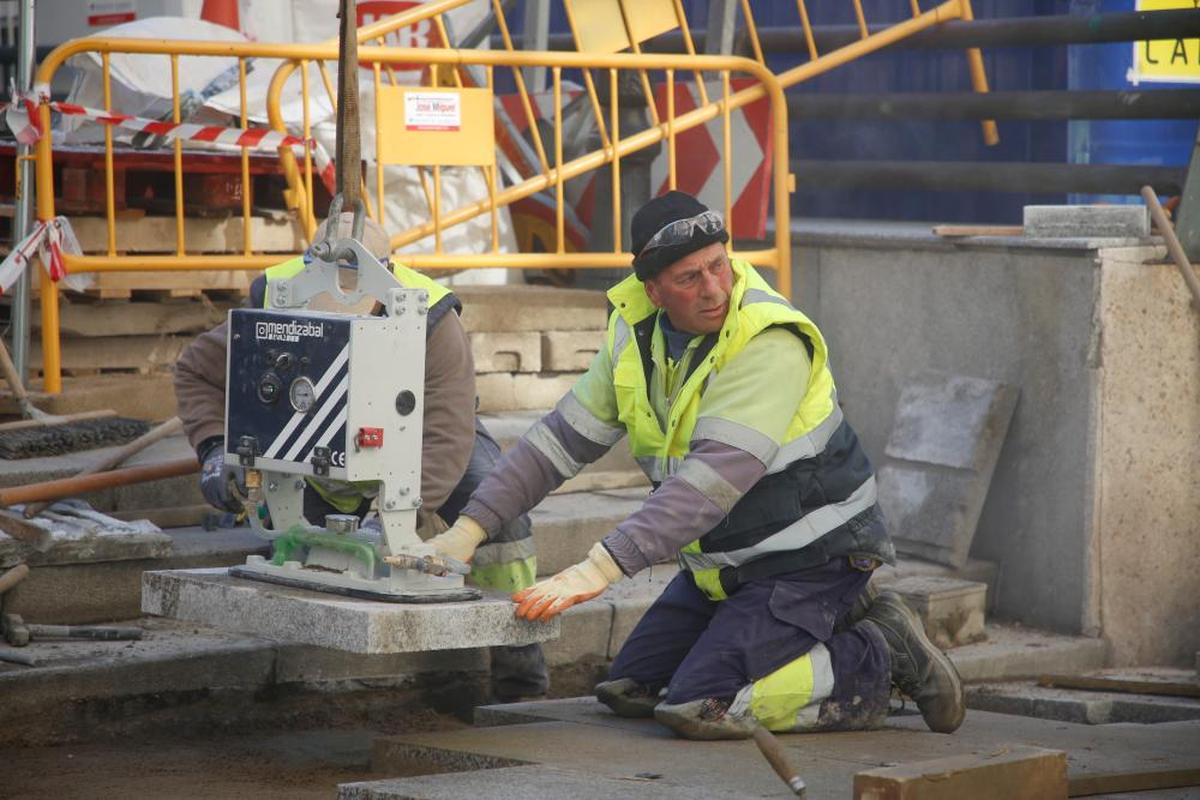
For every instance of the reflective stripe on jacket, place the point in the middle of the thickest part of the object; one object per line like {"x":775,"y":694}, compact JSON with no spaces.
{"x":817,"y":500}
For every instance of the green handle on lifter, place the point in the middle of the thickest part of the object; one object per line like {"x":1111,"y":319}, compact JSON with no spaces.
{"x":288,"y":545}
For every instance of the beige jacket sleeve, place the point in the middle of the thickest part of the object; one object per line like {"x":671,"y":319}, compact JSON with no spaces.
{"x":449,"y":429}
{"x":200,"y":386}
{"x":449,"y":410}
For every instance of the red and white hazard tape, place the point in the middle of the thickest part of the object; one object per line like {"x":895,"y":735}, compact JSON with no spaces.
{"x":51,"y":239}
{"x":21,"y":116}
{"x":252,"y":138}
{"x":324,"y":165}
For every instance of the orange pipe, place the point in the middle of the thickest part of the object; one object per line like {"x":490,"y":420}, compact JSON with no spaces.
{"x":66,"y":487}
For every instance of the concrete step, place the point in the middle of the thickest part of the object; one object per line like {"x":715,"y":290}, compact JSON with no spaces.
{"x":171,"y":492}
{"x":139,"y":396}
{"x":593,"y":632}
{"x":535,"y":351}
{"x":616,"y":469}
{"x":1028,"y":699}
{"x":532,"y":308}
{"x":182,"y":676}
{"x":509,"y":426}
{"x":565,"y":526}
{"x":951,"y":610}
{"x":83,"y":593}
{"x":82,"y":688}
{"x":912,"y":568}
{"x":578,"y":748}
{"x":1013,"y":651}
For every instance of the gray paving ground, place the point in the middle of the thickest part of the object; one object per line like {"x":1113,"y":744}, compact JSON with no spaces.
{"x":585,"y":745}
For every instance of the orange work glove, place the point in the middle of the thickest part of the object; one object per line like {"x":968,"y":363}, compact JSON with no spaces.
{"x":583,"y":581}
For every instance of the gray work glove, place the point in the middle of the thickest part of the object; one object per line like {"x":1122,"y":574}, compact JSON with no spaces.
{"x":222,"y":486}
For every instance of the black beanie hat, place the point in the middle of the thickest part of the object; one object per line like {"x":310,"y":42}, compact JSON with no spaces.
{"x":653,"y":217}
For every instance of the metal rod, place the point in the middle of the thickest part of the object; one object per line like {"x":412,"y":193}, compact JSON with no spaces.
{"x":556,"y":78}
{"x":23,"y":211}
{"x":306,"y":127}
{"x":1050,"y":105}
{"x":1173,"y":247}
{"x":690,"y":48}
{"x":110,"y":210}
{"x":1007,"y":176}
{"x":614,"y":110}
{"x":979,"y":81}
{"x":806,"y":26}
{"x":1125,"y":26}
{"x":180,"y":243}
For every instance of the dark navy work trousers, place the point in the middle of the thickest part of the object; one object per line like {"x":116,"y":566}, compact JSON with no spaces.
{"x":700,"y":648}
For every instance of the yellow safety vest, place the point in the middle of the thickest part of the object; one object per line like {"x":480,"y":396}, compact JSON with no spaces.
{"x":660,"y":450}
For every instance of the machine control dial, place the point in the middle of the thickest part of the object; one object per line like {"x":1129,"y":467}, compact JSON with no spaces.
{"x":269,"y":388}
{"x":302,"y":394}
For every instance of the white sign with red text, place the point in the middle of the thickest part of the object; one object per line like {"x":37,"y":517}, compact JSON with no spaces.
{"x":432,"y":111}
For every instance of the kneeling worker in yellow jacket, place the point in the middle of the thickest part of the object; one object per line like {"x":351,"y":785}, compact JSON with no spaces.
{"x":761,"y":490}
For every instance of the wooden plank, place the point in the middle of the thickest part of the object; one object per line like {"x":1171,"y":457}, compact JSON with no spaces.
{"x":1120,"y":782}
{"x":1124,"y":685}
{"x":1014,"y":772}
{"x":17,"y":527}
{"x":978,"y":230}
{"x":26,"y":424}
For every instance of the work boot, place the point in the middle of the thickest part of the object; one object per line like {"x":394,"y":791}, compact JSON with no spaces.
{"x":919,"y":669}
{"x":705,"y":719}
{"x":628,"y":698}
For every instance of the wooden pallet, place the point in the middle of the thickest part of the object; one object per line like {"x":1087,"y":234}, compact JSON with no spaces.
{"x":138,"y":234}
{"x":141,"y":355}
{"x":159,"y":286}
{"x":139,"y":316}
{"x":145,"y":179}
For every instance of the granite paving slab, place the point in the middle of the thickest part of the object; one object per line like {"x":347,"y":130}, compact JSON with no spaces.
{"x":939,"y":460}
{"x":213,"y":597}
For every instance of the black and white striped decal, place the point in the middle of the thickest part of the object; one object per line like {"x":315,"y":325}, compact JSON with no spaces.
{"x":303,"y":432}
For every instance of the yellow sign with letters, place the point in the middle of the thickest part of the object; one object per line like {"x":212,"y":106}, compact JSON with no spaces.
{"x":1166,"y":60}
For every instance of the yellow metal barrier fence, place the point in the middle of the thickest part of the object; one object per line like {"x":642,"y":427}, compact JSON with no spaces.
{"x":550,"y":172}
{"x":775,"y":256}
{"x":557,"y":172}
